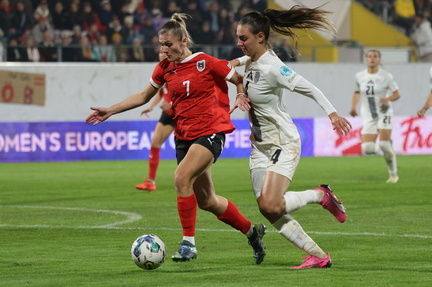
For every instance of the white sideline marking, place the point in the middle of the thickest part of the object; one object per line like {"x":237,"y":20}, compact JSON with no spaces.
{"x":134,"y":217}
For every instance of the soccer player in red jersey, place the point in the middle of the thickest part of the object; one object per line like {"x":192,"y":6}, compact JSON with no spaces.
{"x":201,"y":120}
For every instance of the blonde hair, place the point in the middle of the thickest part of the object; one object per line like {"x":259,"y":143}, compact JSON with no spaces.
{"x":177,"y":26}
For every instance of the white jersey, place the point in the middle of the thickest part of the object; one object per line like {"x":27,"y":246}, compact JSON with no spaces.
{"x":264,"y":82}
{"x":372,"y":87}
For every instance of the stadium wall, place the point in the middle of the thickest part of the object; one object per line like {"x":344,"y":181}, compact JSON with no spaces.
{"x":55,"y":130}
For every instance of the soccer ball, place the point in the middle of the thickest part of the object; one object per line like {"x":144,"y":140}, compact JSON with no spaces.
{"x":148,"y":251}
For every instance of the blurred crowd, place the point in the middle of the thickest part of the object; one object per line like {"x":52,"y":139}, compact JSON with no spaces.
{"x":113,"y":31}
{"x":411,"y":17}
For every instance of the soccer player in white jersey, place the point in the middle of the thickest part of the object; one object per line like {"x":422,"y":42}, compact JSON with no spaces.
{"x":428,"y":102}
{"x":376,"y":89}
{"x":275,"y":140}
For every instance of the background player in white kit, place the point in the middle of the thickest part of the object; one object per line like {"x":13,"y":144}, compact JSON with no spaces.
{"x":428,"y":102}
{"x":373,"y":87}
{"x":275,"y":140}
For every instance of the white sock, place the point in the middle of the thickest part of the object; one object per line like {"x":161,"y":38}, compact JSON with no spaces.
{"x":294,"y":200}
{"x":250,"y":232}
{"x":191,"y":239}
{"x":390,"y":156}
{"x":289,"y":228}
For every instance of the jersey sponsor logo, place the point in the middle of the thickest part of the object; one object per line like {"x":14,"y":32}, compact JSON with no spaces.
{"x":285,"y":71}
{"x":201,"y":65}
{"x":256,"y":77}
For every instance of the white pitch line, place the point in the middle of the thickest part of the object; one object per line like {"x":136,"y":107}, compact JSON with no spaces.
{"x":213,"y":230}
{"x":134,"y":217}
{"x":131,"y":216}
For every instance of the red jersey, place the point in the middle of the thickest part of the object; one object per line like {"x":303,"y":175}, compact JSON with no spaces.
{"x":199,"y":94}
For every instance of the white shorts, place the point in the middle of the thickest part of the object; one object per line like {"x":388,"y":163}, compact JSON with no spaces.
{"x":280,"y":159}
{"x":383,"y":122}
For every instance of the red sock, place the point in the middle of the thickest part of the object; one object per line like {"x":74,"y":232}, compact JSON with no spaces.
{"x":233,"y":217}
{"x":187,"y":209}
{"x":153,"y":162}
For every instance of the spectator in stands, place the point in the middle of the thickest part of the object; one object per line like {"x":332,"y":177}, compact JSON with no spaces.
{"x":241,"y":11}
{"x":158,"y":20}
{"x":228,"y":39}
{"x":106,"y":14}
{"x":68,"y":52}
{"x":151,"y":52}
{"x":422,"y":37}
{"x":206,"y":38}
{"x":212,"y":15}
{"x":129,"y":32}
{"x":120,"y":50}
{"x":124,"y":12}
{"x":225,"y":19}
{"x":60,"y":17}
{"x":104,"y":52}
{"x":140,"y":14}
{"x":206,"y":35}
{"x":75,"y":15}
{"x":147,"y":29}
{"x":204,"y":5}
{"x":93,"y":34}
{"x":170,"y":9}
{"x":115,"y":27}
{"x":136,"y":52}
{"x":90,"y":17}
{"x":14,"y":53}
{"x":31,"y":51}
{"x":40,"y":28}
{"x":6,"y":17}
{"x":21,"y":20}
{"x":47,"y":48}
{"x":284,"y":51}
{"x":42,"y":11}
{"x":76,"y":35}
{"x":86,"y":51}
{"x":260,"y":5}
{"x":194,"y":22}
{"x":404,"y":13}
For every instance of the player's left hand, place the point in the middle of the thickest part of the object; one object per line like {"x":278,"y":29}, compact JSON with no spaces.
{"x":242,"y":102}
{"x":341,"y":124}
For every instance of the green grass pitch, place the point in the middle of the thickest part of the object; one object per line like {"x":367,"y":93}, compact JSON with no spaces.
{"x":72,"y":224}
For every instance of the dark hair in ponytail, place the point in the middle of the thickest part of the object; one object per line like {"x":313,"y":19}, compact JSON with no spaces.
{"x":283,"y":21}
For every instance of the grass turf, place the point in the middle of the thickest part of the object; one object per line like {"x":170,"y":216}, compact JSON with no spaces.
{"x":72,"y":224}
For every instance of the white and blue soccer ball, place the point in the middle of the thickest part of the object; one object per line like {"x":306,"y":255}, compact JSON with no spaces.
{"x":148,"y":251}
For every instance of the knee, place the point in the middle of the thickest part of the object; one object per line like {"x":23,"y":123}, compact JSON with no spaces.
{"x":268,"y":208}
{"x":181,"y":181}
{"x":385,"y":146}
{"x":368,"y":147}
{"x":206,"y":204}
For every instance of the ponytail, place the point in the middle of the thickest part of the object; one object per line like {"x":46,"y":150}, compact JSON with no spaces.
{"x":177,"y":25}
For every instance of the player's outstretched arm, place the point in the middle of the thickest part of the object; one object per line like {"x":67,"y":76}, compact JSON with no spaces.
{"x":136,"y":100}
